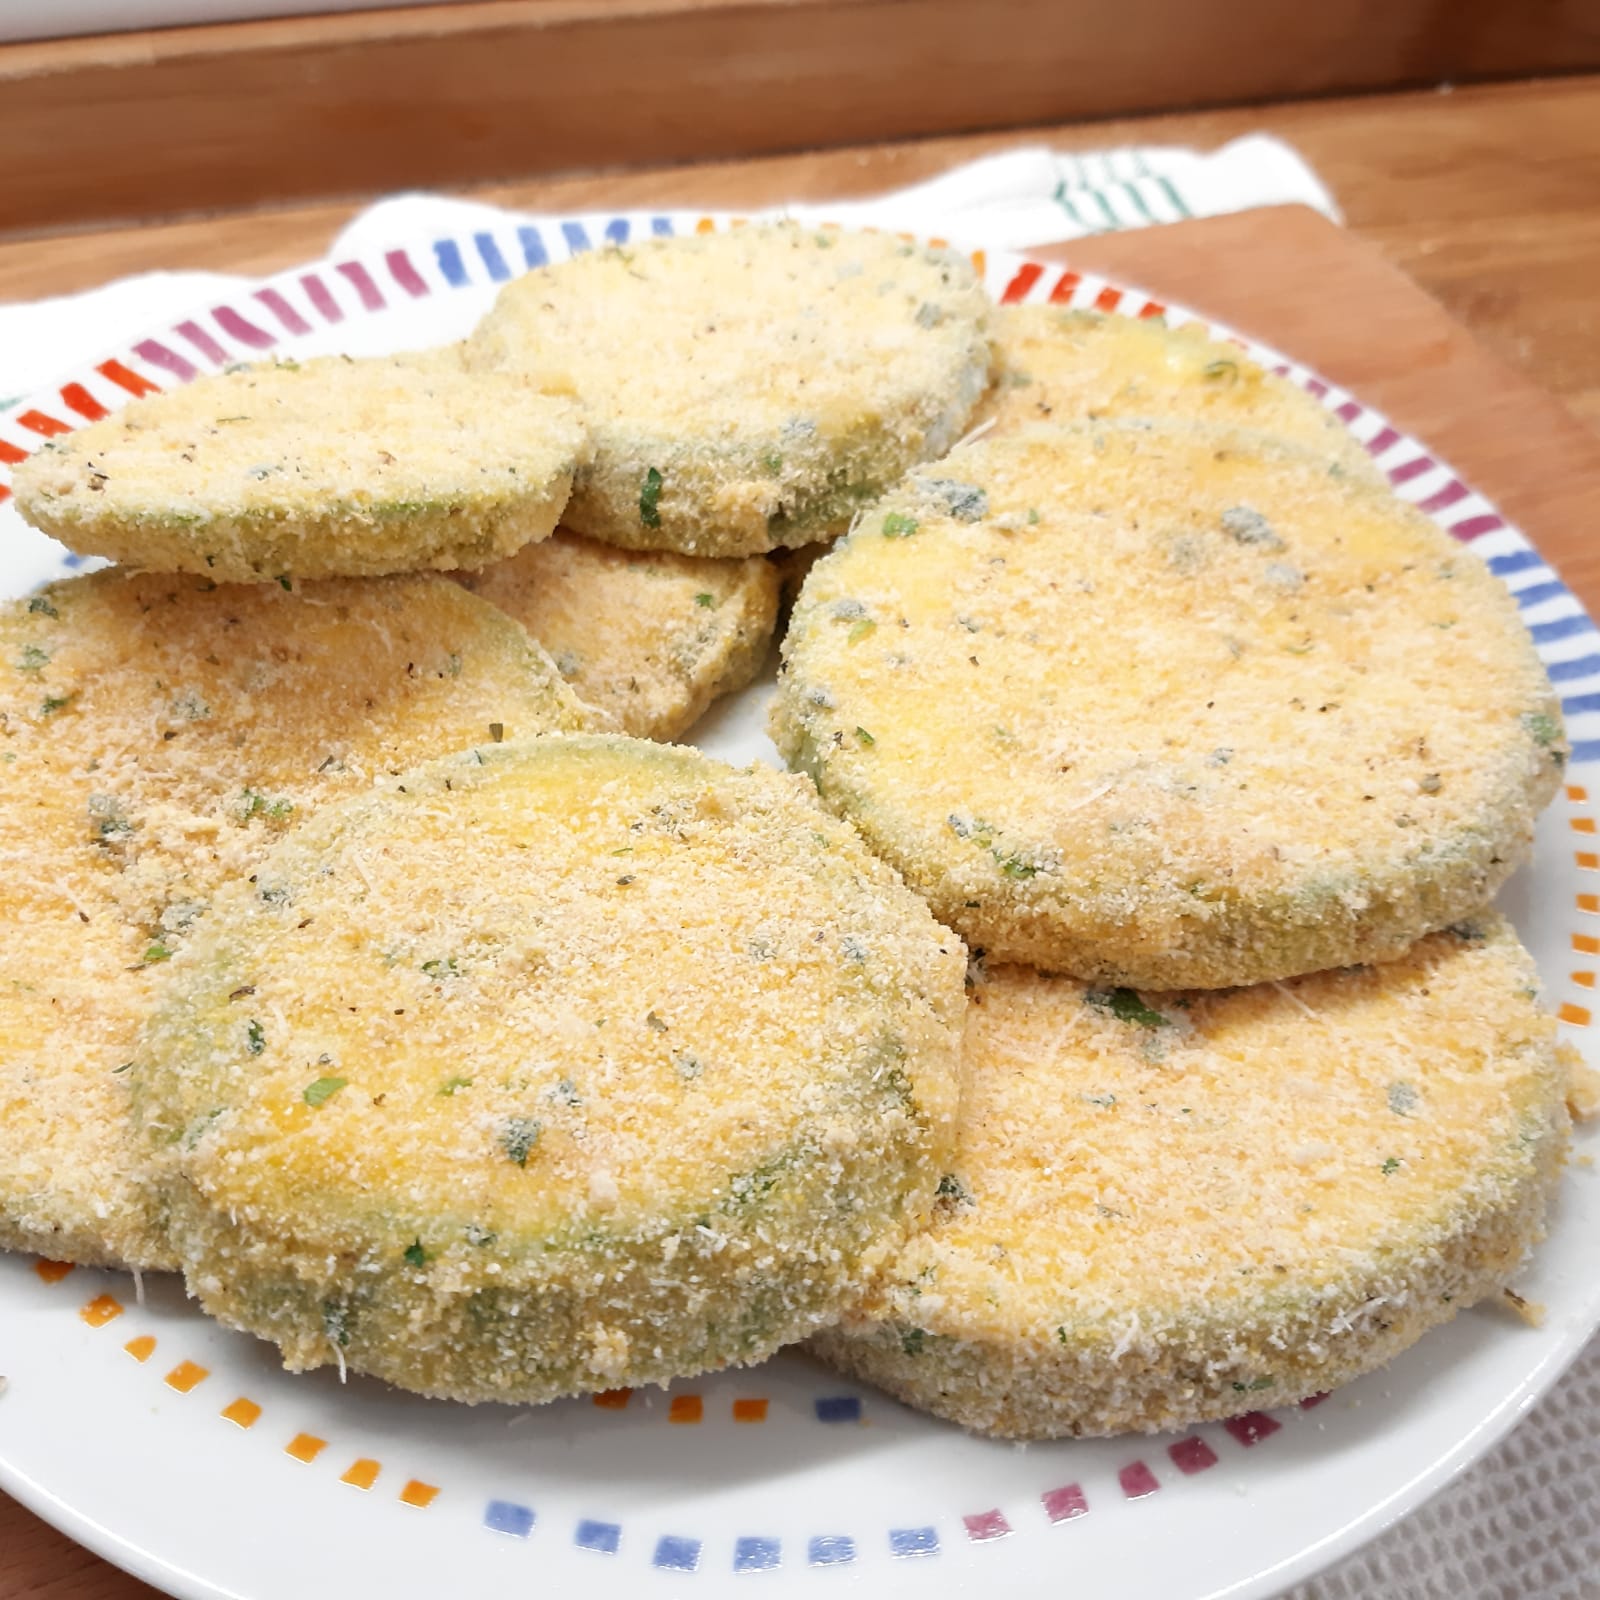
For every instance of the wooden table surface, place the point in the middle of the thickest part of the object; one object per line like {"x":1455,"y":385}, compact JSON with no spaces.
{"x":1488,"y":197}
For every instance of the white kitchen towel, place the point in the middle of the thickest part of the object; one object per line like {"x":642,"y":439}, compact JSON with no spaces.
{"x":1021,"y":197}
{"x":1523,"y":1524}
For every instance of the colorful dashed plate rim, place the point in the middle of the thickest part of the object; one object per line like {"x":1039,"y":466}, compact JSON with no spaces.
{"x":179,"y":1450}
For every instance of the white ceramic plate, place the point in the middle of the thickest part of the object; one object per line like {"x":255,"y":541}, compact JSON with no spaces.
{"x":180,"y":1451}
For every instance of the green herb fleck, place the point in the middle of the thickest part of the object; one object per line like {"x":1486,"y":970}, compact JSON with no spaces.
{"x":440,"y":969}
{"x":322,"y":1091}
{"x":285,"y":582}
{"x":860,"y":630}
{"x":966,"y":502}
{"x":1390,"y":1167}
{"x":897,"y":525}
{"x":1033,"y":514}
{"x":913,"y":1341}
{"x":1013,"y":866}
{"x":655,"y":1022}
{"x":336,"y":1322}
{"x":480,"y":1236}
{"x":1246,"y":525}
{"x":518,"y":1136}
{"x":127,"y":1066}
{"x":1222,"y":371}
{"x":107,"y":817}
{"x":865,"y":737}
{"x":952,"y":1188}
{"x":709,"y":601}
{"x":157,"y":952}
{"x":255,"y":1037}
{"x":191,"y":707}
{"x":53,"y":703}
{"x":416,"y":1256}
{"x":39,"y":606}
{"x":450,"y":1085}
{"x":252,"y":803}
{"x":1403,"y":1099}
{"x":1255,"y":1387}
{"x":1126,"y":1006}
{"x":1542,"y":728}
{"x":32,"y":658}
{"x":649,"y":500}
{"x":773,"y":462}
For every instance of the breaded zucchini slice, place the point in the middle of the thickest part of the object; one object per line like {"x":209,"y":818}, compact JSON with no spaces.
{"x":157,"y":734}
{"x":649,"y":639}
{"x":1062,"y":366}
{"x":1167,"y":705}
{"x":327,"y":468}
{"x":553,"y":1067}
{"x":1171,"y":1208}
{"x":747,"y":390}
{"x":792,"y":566}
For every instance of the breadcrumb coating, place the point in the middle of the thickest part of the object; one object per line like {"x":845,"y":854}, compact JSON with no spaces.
{"x":330,"y":468}
{"x":1171,"y":1208}
{"x":649,"y":639}
{"x":1168,"y":705}
{"x":1063,"y":366}
{"x":749,"y":390}
{"x":157,"y":735}
{"x":553,"y":1067}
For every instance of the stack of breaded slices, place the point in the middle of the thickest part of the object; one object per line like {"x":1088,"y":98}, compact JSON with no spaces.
{"x":1105,"y":1027}
{"x":1215,"y":752}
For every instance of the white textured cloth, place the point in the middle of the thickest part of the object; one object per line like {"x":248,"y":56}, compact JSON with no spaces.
{"x":1524,"y":1524}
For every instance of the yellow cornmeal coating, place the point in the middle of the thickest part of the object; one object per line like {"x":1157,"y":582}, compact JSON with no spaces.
{"x":584,"y":1063}
{"x":1078,"y":366}
{"x":324,"y":469}
{"x":157,"y":734}
{"x":1215,"y":717}
{"x":774,"y":378}
{"x":1179,"y":1207}
{"x":649,"y":639}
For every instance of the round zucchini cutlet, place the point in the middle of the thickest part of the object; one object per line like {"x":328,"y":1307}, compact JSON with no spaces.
{"x":157,"y":734}
{"x":330,"y":468}
{"x":747,"y":390}
{"x":1167,"y":705}
{"x":1062,"y":366}
{"x":555,"y":1067}
{"x":649,"y":639}
{"x":1167,"y":1209}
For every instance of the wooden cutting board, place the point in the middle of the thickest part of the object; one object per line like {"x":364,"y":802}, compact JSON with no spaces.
{"x":1292,"y":279}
